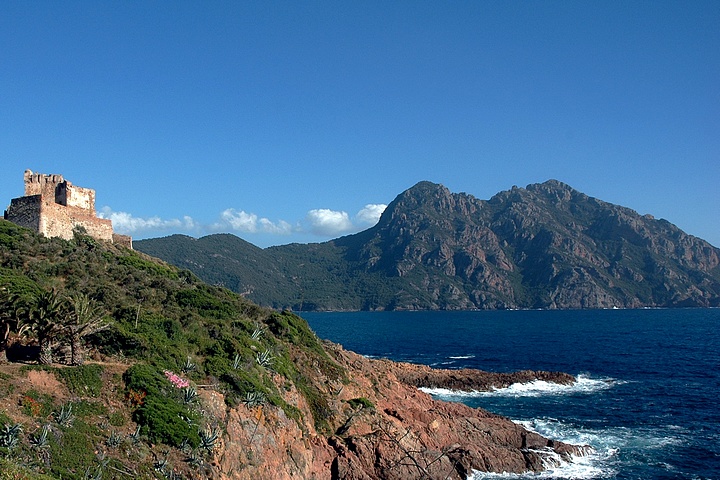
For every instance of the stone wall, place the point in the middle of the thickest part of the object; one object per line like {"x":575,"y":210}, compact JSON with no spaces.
{"x":55,"y":207}
{"x":71,"y":196}
{"x":41,"y":184}
{"x":60,"y":221}
{"x":124,"y":240}
{"x":25,"y":211}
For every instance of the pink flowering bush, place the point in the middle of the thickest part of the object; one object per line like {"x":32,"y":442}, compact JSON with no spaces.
{"x":176,"y":380}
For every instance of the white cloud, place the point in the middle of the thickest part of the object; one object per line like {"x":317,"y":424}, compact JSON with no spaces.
{"x":324,"y":221}
{"x":370,"y":214}
{"x":124,"y":222}
{"x":242,"y":221}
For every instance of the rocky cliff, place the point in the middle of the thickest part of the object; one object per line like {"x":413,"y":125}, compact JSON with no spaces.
{"x":379,"y":426}
{"x":543,"y":246}
{"x":386,"y":429}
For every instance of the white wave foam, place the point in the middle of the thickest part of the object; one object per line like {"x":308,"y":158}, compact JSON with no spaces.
{"x":612,"y":448}
{"x":462,"y":357}
{"x":595,"y":464}
{"x":556,"y":468}
{"x":536,"y":388}
{"x":606,"y":441}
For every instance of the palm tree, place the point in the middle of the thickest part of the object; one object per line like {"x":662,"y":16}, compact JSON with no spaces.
{"x":84,"y":318}
{"x":11,"y":309}
{"x":46,"y":314}
{"x":8,"y":315}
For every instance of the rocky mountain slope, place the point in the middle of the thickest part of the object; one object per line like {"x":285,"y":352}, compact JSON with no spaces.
{"x":179,"y":379}
{"x":543,"y":246}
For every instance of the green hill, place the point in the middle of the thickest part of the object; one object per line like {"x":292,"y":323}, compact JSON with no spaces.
{"x":161,"y":328}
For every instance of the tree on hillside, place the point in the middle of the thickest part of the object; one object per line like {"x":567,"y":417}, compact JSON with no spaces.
{"x":46,"y":314}
{"x":84,"y":318}
{"x":11,"y":309}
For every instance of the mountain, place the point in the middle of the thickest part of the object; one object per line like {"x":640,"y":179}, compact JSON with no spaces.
{"x":543,"y":246}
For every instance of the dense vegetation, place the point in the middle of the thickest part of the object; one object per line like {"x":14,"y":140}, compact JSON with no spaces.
{"x":160,"y":333}
{"x":544,"y":246}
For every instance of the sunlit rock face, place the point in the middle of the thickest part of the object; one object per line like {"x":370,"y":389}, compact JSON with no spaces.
{"x":544,"y":246}
{"x":380,"y":426}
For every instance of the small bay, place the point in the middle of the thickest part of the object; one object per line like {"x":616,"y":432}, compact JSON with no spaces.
{"x":648,"y":380}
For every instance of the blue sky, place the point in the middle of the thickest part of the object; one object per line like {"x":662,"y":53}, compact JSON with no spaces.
{"x":298,"y":121}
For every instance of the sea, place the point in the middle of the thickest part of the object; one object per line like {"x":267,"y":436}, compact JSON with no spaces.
{"x":647,"y":395}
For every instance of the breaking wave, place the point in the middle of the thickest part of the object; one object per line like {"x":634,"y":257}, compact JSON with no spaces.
{"x":556,"y":468}
{"x":612,"y":449}
{"x":583,"y":384}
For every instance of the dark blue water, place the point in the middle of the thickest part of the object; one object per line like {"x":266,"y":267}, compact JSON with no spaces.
{"x":648,"y":395}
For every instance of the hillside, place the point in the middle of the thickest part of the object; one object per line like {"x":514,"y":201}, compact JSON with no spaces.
{"x":114,"y":364}
{"x":543,"y":246}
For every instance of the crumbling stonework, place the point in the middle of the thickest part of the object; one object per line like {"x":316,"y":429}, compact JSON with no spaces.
{"x":54,"y":207}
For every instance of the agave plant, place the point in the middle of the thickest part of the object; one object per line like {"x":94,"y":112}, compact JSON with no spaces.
{"x":135,"y":436}
{"x":264,"y":359}
{"x":185,"y":445}
{"x":40,"y":439}
{"x":189,"y":394}
{"x":208,"y":439}
{"x":195,"y":460}
{"x":171,"y":475}
{"x":91,"y":474}
{"x":257,"y":333}
{"x":254,"y":399}
{"x":188,"y":366}
{"x":114,"y":440}
{"x":65,"y":417}
{"x":161,"y":465}
{"x":10,"y":435}
{"x":236,"y":361}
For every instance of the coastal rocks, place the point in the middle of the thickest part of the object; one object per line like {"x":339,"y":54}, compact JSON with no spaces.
{"x":378,"y":425}
{"x":414,"y":436}
{"x":469,"y":380}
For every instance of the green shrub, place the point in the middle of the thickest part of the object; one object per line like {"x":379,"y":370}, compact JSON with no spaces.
{"x":205,"y":303}
{"x":12,"y":471}
{"x":319,"y":407}
{"x":242,"y":382}
{"x":83,"y":380}
{"x":134,"y":260}
{"x":83,"y":408}
{"x":4,"y":419}
{"x":163,"y":416}
{"x":289,"y":326}
{"x":18,"y":284}
{"x":166,"y":421}
{"x":37,"y":404}
{"x":74,"y":449}
{"x":143,"y":377}
{"x":116,"y":419}
{"x":361,"y":402}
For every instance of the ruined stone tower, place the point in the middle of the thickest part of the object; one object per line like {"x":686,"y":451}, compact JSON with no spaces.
{"x":54,"y":207}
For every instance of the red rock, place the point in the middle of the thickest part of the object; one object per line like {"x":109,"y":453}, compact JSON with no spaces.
{"x":407,"y":434}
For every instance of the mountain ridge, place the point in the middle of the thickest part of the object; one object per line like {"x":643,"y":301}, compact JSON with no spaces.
{"x":543,"y":246}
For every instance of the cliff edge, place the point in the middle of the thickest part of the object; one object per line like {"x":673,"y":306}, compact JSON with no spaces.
{"x":385,"y":428}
